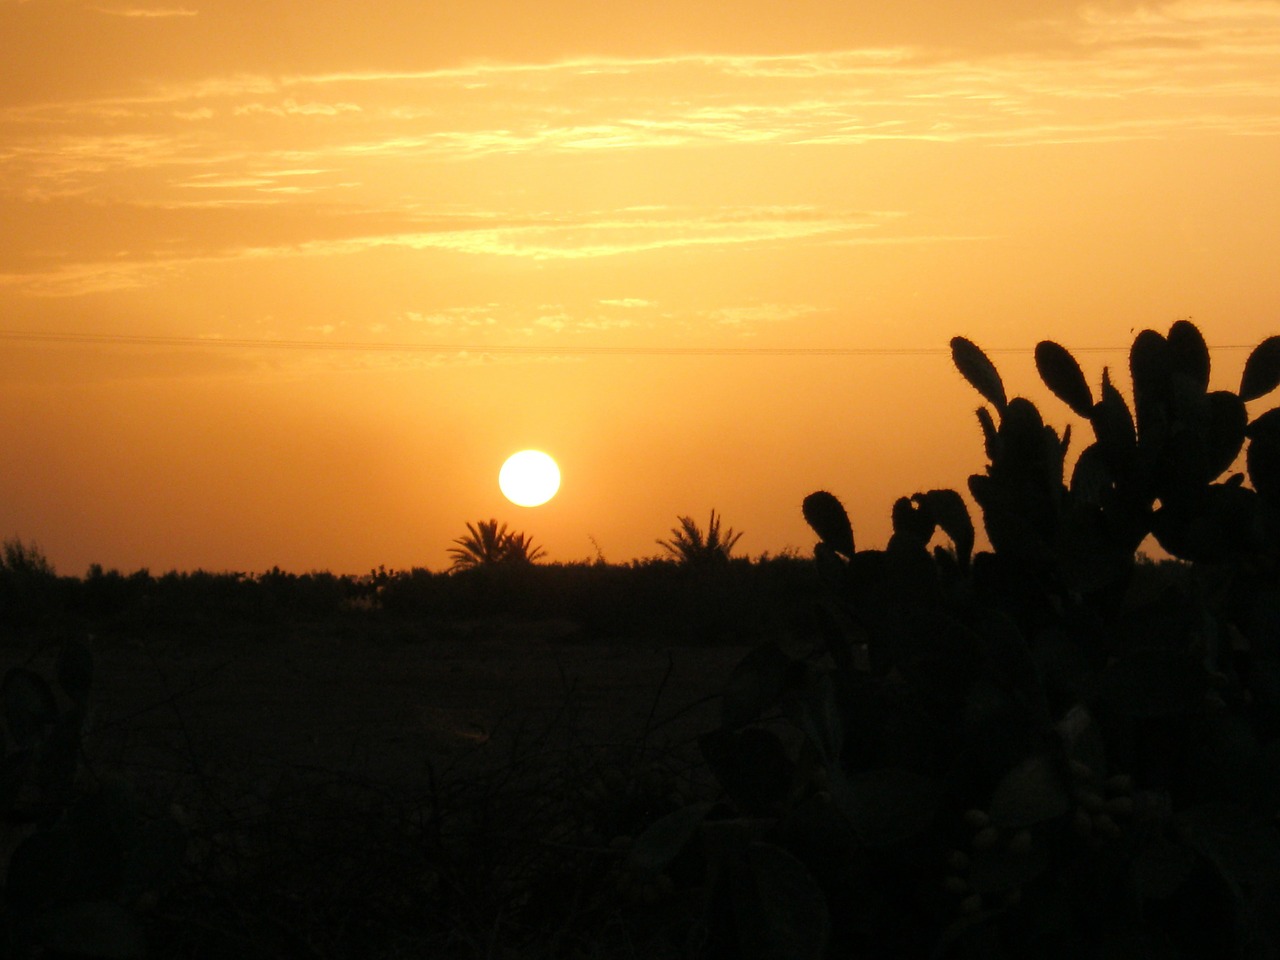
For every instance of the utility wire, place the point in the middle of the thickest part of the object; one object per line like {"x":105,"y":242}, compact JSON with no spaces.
{"x":18,"y":336}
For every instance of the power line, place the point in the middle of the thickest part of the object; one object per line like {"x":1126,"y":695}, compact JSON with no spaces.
{"x":18,"y":336}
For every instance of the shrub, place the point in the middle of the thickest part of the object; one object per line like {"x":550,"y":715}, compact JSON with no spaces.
{"x":27,"y":586}
{"x":689,"y":545}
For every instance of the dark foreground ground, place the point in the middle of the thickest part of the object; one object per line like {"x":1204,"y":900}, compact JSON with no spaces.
{"x":364,"y":795}
{"x":388,"y":709}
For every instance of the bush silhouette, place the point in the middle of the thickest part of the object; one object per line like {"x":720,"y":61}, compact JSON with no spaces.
{"x":690,"y":545}
{"x":27,"y":586}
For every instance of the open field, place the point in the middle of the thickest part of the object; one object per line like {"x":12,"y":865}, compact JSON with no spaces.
{"x":383,"y":709}
{"x":344,"y":793}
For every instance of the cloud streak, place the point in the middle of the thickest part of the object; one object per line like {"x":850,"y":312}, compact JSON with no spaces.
{"x":146,"y":13}
{"x":1168,"y":65}
{"x":361,"y":161}
{"x":537,"y":237}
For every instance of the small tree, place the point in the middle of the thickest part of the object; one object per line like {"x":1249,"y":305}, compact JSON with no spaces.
{"x":689,"y":545}
{"x":27,"y":584}
{"x":488,"y":543}
{"x":20,"y":559}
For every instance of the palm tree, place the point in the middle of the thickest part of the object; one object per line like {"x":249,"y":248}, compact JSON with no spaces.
{"x":521,"y":549}
{"x":689,"y":545}
{"x":487,"y":543}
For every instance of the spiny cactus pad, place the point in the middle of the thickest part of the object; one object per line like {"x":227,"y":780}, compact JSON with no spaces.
{"x":826,"y":515}
{"x":1061,"y":374}
{"x":981,"y":373}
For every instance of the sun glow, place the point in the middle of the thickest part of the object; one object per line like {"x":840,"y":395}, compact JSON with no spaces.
{"x":529,"y":478}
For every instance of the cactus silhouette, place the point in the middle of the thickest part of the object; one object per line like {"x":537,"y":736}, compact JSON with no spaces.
{"x":986,"y":743}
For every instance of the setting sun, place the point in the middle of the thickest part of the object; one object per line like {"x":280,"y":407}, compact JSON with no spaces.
{"x":529,"y":478}
{"x":282,"y":289}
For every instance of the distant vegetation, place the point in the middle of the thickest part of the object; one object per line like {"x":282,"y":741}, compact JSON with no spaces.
{"x":27,"y":582}
{"x":19,"y":559}
{"x":738,"y":601}
{"x":689,"y":544}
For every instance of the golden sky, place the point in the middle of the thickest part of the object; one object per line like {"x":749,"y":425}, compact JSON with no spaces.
{"x":284,"y":283}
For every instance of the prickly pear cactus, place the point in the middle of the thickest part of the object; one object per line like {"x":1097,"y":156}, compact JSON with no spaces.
{"x":1042,"y":749}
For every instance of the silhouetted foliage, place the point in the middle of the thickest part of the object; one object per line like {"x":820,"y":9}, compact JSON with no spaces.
{"x":735,"y":602}
{"x":1051,"y":750}
{"x":690,"y":545}
{"x":487,"y":543}
{"x":27,"y":586}
{"x":22,"y":559}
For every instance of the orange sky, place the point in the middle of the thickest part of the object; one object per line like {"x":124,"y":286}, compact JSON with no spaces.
{"x":566,"y":177}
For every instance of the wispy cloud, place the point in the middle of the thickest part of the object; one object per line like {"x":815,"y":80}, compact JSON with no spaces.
{"x":146,"y":13}
{"x":537,"y":237}
{"x":78,"y":279}
{"x":1168,"y":66}
{"x":569,"y":326}
{"x":756,"y":314}
{"x":1195,"y":24}
{"x":469,"y":317}
{"x":549,"y":237}
{"x":358,"y":161}
{"x":291,"y":107}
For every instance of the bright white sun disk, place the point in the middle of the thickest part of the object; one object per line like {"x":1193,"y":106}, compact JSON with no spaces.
{"x":529,"y":478}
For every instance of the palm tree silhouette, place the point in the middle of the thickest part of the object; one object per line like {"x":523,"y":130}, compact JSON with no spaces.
{"x":488,"y":543}
{"x":689,"y":545}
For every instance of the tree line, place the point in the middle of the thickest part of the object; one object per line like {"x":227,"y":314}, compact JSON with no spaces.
{"x":696,"y":592}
